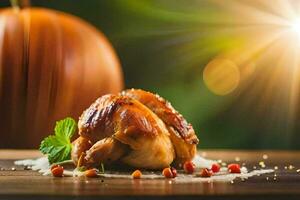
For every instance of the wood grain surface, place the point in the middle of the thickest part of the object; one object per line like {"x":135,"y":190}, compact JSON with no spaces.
{"x":26,"y":184}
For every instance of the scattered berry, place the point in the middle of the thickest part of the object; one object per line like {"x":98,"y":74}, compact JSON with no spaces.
{"x":215,"y":168}
{"x":91,"y":173}
{"x":234,"y":168}
{"x":206,"y":173}
{"x":57,"y":171}
{"x":174,"y":172}
{"x":189,"y":167}
{"x":137,"y":174}
{"x":167,"y":172}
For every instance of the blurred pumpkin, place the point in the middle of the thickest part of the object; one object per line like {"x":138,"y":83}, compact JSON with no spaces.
{"x":52,"y":65}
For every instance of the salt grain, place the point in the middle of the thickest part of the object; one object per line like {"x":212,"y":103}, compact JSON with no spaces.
{"x":262,"y":164}
{"x":203,"y":154}
{"x":27,"y":168}
{"x":201,"y":162}
{"x":291,"y":167}
{"x":237,"y":159}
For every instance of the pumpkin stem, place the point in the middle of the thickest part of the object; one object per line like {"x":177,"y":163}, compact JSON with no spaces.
{"x":17,"y":4}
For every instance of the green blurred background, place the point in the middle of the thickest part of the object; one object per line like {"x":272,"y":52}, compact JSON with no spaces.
{"x":164,"y":46}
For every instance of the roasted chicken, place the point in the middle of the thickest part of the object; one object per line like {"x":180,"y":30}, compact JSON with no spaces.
{"x":135,"y":128}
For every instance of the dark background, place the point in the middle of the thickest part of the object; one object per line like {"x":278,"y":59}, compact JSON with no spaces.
{"x":163,"y":47}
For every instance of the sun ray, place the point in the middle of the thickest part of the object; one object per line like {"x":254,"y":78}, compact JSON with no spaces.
{"x":260,"y":37}
{"x":249,"y":14}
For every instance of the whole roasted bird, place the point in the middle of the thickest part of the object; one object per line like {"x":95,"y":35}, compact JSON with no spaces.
{"x":135,"y":128}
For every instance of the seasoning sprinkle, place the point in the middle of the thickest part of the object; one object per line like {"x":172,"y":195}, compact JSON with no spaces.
{"x":267,"y":178}
{"x":232,"y":182}
{"x":262,"y":164}
{"x":275,"y":167}
{"x":13,"y":169}
{"x":27,"y":168}
{"x":265,"y":156}
{"x":291,"y":167}
{"x":254,"y":167}
{"x":298,"y":170}
{"x":285,"y":167}
{"x":237,"y":159}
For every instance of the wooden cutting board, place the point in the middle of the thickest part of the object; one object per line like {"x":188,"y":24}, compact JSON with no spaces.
{"x":26,"y":184}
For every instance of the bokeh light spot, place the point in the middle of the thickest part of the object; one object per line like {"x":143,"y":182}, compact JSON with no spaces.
{"x":221,"y":76}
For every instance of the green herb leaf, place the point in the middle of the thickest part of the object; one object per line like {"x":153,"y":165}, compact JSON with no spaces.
{"x":58,"y":146}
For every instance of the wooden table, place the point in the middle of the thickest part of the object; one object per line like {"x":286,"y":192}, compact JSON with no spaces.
{"x":26,"y":184}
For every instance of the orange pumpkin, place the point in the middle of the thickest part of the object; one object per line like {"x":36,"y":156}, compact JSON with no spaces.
{"x":52,"y":65}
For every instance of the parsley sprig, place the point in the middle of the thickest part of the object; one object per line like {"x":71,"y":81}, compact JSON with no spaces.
{"x":58,"y":146}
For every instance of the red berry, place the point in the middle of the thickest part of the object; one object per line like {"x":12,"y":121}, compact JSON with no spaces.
{"x":167,"y":172}
{"x":137,"y":174}
{"x":91,"y":173}
{"x":206,"y":173}
{"x":234,"y":168}
{"x":57,"y":171}
{"x":189,"y":167}
{"x":215,"y":168}
{"x":174,"y":172}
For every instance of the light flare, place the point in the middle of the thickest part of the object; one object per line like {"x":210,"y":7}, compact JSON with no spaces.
{"x":295,"y":27}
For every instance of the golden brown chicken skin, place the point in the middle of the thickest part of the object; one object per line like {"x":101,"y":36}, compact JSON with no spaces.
{"x":135,"y":128}
{"x":182,"y":133}
{"x":123,"y":130}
